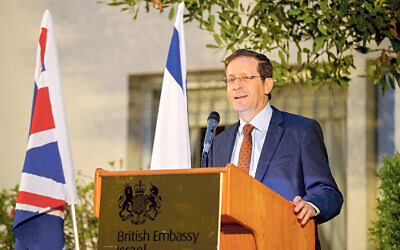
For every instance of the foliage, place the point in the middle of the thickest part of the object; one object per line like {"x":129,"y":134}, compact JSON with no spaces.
{"x":336,"y":28}
{"x":88,"y":230}
{"x":8,"y":199}
{"x":386,"y":229}
{"x":86,"y":223}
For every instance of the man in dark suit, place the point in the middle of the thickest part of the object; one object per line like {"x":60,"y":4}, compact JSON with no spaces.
{"x":284,"y":151}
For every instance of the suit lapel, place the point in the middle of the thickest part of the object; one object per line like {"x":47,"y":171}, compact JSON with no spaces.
{"x":230,"y":142}
{"x":272,"y":139}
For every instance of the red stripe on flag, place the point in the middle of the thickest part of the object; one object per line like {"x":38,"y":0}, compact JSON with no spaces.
{"x":42,"y":43}
{"x":42,"y":118}
{"x":38,"y":200}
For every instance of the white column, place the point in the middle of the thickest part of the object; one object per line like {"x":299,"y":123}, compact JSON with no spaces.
{"x":356,"y":175}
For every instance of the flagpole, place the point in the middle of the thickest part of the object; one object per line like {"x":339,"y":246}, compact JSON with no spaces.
{"x":75,"y":227}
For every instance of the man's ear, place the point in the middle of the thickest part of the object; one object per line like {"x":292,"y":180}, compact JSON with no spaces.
{"x":268,"y":85}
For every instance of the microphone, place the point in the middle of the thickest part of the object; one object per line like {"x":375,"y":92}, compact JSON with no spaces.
{"x":212,"y":123}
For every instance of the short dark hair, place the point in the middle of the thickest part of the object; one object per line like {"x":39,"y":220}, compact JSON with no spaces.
{"x":264,"y":64}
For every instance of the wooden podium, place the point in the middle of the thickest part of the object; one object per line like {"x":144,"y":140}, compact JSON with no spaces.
{"x":252,"y":215}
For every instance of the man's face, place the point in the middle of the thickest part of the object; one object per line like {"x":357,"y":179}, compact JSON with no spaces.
{"x":247,"y":97}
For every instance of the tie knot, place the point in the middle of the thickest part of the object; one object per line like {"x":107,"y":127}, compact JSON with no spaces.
{"x":248,"y":128}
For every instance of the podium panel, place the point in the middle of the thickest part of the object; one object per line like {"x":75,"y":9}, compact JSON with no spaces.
{"x":160,"y":212}
{"x":209,"y":208}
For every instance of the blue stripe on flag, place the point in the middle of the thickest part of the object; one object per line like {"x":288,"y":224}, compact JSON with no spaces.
{"x":42,"y":231}
{"x":33,"y":105}
{"x":21,"y":215}
{"x":45,"y":161}
{"x":174,"y":59}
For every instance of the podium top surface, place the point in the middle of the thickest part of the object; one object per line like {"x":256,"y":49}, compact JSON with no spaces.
{"x":102,"y":172}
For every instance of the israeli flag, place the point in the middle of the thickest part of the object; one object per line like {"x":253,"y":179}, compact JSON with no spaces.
{"x":171,"y":148}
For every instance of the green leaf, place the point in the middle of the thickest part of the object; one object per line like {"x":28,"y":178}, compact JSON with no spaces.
{"x":115,"y":3}
{"x":241,"y":8}
{"x":217,"y":39}
{"x":308,"y":20}
{"x":379,"y":22}
{"x":295,"y":12}
{"x":235,"y":4}
{"x":282,"y":57}
{"x":223,"y":35}
{"x":212,"y":46}
{"x":367,"y":6}
{"x":136,"y":14}
{"x":171,"y":13}
{"x":274,"y":17}
{"x":322,"y":29}
{"x":212,"y":22}
{"x":299,"y":57}
{"x":318,"y":43}
{"x":344,"y":83}
{"x":324,"y":5}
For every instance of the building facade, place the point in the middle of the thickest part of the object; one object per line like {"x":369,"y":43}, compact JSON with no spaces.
{"x":111,"y":68}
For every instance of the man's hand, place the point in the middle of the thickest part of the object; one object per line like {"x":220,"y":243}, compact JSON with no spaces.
{"x":304,"y":210}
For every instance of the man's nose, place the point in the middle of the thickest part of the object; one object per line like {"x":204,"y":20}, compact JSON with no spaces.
{"x":237,"y":83}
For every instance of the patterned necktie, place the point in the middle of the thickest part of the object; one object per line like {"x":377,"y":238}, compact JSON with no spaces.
{"x":246,"y":148}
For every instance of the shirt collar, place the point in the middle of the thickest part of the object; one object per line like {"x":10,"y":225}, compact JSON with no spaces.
{"x":260,"y":121}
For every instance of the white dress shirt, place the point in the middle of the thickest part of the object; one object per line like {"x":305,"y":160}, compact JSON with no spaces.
{"x":261,"y":123}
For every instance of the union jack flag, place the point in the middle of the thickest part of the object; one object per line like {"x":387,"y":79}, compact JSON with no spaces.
{"x":47,"y":179}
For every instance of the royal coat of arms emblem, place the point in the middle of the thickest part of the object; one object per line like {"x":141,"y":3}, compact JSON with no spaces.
{"x":136,"y":205}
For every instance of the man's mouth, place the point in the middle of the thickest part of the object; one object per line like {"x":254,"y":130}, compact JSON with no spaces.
{"x":240,"y":96}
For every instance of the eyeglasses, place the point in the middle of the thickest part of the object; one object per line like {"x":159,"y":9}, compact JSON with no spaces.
{"x":243,"y":79}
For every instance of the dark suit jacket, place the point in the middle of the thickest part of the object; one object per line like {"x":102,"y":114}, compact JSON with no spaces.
{"x":293,"y":161}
